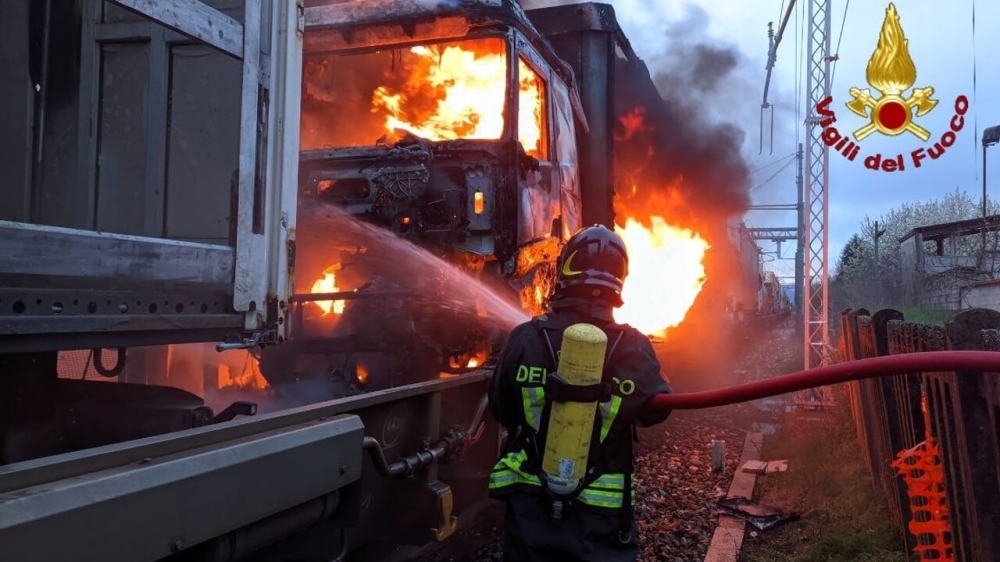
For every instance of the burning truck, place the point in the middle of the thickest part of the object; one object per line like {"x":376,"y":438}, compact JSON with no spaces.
{"x":486,"y":135}
{"x":452,"y":127}
{"x":469,"y":136}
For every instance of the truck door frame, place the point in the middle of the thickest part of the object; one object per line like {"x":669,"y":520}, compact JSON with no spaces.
{"x":257,"y":270}
{"x":250,"y":43}
{"x":547,"y":163}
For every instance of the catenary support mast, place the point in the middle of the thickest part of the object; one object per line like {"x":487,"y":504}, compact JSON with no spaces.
{"x":816,"y":283}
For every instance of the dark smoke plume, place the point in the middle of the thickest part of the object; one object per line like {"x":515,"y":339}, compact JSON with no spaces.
{"x":680,"y":148}
{"x":679,"y":154}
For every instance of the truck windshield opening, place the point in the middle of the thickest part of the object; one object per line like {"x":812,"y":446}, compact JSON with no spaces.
{"x":439,"y":92}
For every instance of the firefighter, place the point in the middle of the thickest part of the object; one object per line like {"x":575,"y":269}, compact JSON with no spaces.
{"x":596,"y":521}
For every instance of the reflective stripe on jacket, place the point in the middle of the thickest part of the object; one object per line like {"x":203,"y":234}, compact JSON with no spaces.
{"x":509,"y":474}
{"x":605,"y":492}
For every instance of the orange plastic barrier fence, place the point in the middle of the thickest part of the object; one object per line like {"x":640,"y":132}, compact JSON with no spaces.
{"x":921,"y":469}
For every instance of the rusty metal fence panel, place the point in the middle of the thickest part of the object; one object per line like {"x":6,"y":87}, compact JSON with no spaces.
{"x":961,"y":410}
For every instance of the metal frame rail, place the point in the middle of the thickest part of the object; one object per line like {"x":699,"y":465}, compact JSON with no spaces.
{"x":151,"y":498}
{"x":70,"y":288}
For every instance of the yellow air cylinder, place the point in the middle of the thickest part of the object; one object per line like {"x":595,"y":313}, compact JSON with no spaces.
{"x":571,"y":424}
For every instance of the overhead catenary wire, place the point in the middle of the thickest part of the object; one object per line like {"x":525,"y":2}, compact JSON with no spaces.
{"x":774,"y":40}
{"x":772,"y":176}
{"x":772,"y":163}
{"x":836,"y":53}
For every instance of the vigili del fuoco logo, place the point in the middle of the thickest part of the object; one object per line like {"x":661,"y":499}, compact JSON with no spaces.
{"x":892,"y":112}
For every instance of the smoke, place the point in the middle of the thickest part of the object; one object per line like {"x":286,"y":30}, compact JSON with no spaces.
{"x":687,"y":149}
{"x":681,"y":152}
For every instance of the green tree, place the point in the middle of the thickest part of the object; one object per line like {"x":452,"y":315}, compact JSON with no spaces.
{"x":854,"y":258}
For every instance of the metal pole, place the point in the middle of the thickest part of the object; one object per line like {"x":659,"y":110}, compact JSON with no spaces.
{"x":878,"y":276}
{"x":817,"y":180}
{"x":991,"y":136}
{"x":984,"y":181}
{"x":877,"y":236}
{"x":801,"y":248}
{"x":982,"y":254}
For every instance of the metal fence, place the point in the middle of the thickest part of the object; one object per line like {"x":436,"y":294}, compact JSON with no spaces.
{"x":955,"y":416}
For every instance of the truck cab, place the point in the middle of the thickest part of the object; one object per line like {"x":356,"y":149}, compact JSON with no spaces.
{"x":450,"y":126}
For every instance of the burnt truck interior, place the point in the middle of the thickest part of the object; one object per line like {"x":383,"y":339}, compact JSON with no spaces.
{"x":453,"y":128}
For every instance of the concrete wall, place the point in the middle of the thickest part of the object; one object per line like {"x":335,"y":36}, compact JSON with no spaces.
{"x":941,"y":299}
{"x":982,"y":296}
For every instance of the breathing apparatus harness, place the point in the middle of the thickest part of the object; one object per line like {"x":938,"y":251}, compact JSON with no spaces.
{"x":558,"y":390}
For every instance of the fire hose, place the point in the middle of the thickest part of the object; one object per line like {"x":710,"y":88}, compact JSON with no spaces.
{"x":924,"y":361}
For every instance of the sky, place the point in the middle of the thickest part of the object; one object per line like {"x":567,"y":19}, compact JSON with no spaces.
{"x":944,"y":48}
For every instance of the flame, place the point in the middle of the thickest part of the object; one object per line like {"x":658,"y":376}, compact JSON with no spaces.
{"x":455,"y":92}
{"x":666,"y":273}
{"x":891,"y":70}
{"x":533,"y":296}
{"x":477,"y":360}
{"x":536,"y":262}
{"x":469,"y":360}
{"x":632,"y":123}
{"x":328,"y":284}
{"x":361,"y":371}
{"x":249,"y":377}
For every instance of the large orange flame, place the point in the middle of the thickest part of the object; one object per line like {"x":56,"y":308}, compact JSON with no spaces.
{"x":328,"y":284}
{"x":245,"y":376}
{"x":666,"y":273}
{"x":457,"y":92}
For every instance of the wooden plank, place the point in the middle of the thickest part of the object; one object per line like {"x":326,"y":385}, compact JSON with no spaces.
{"x":194,"y":19}
{"x":30,"y":249}
{"x":756,"y":467}
{"x":765,"y":467}
{"x":777,"y":466}
{"x":728,"y":538}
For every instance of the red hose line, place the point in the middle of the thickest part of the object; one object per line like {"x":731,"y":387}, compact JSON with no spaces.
{"x":925,"y":361}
